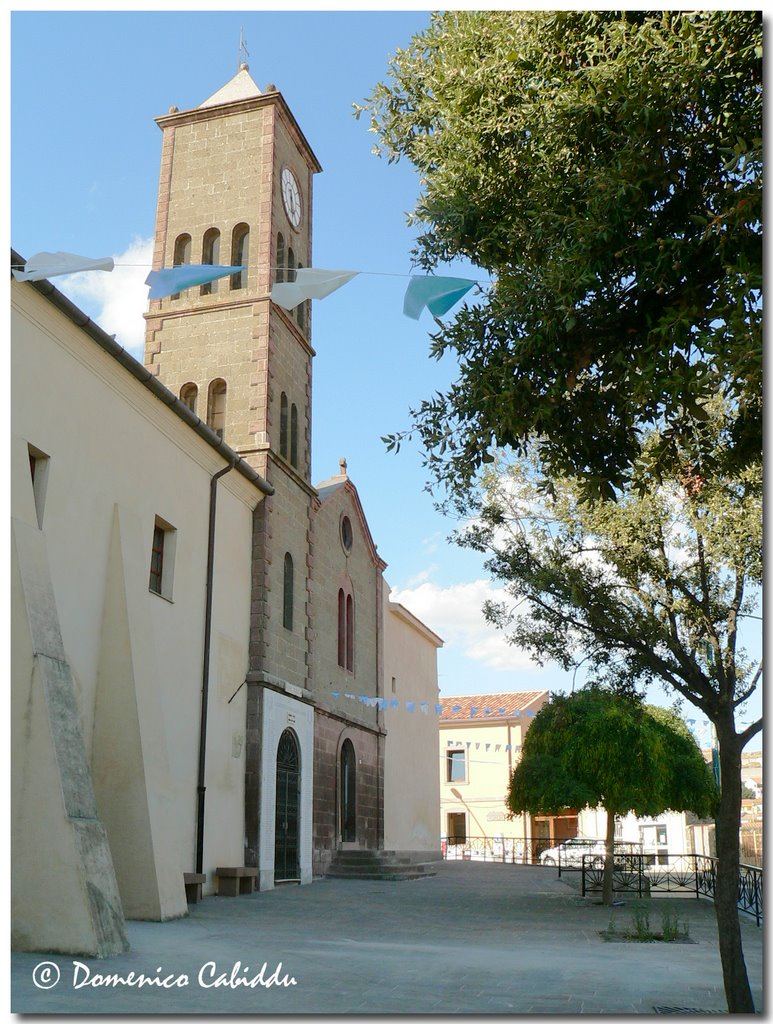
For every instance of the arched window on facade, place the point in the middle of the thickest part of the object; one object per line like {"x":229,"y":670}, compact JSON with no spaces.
{"x":189,"y":394}
{"x":280,"y":258}
{"x":182,"y":255}
{"x":289,"y":583}
{"x":216,"y":406}
{"x":240,"y":255}
{"x":210,"y":255}
{"x":345,"y":630}
{"x":290,"y":265}
{"x":294,"y":436}
{"x":283,"y":425}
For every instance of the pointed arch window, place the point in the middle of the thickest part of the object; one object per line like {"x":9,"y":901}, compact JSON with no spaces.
{"x":280,"y":258}
{"x":348,"y":793}
{"x":283,"y":432}
{"x":216,"y":406}
{"x":294,"y":436}
{"x":189,"y":394}
{"x":289,"y":584}
{"x":240,"y":255}
{"x":345,"y":630}
{"x":210,"y":255}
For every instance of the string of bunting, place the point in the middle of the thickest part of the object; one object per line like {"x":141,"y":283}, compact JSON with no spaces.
{"x":438,"y":294}
{"x":391,"y":703}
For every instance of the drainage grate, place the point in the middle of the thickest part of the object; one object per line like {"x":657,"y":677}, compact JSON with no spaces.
{"x":682,"y":1009}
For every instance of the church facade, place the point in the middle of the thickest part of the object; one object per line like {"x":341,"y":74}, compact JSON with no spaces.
{"x":283,"y":757}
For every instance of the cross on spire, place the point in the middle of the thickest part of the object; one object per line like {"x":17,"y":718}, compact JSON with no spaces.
{"x":243,"y":51}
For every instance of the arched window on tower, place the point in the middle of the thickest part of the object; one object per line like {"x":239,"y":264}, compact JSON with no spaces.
{"x":290,"y":265}
{"x":216,"y":406}
{"x":182,"y":255}
{"x":189,"y":394}
{"x":240,"y":254}
{"x":300,"y":309}
{"x":289,"y":584}
{"x":210,"y":255}
{"x":280,"y":258}
{"x":283,"y":433}
{"x":294,"y":436}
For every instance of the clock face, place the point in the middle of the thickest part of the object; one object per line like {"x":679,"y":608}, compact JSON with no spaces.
{"x":291,"y":197}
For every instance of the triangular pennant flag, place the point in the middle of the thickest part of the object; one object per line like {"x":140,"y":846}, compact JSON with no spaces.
{"x":335,"y":695}
{"x":309,"y":283}
{"x":171,"y":280}
{"x":507,"y":746}
{"x":51,"y":264}
{"x":473,"y":712}
{"x":409,"y":705}
{"x":438,"y":709}
{"x":438,"y":294}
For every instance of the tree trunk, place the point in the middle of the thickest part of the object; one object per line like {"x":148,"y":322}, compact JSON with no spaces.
{"x":737,"y":989}
{"x":609,"y":861}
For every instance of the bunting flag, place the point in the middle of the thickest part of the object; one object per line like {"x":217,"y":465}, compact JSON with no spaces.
{"x":383,"y":703}
{"x":171,"y":280}
{"x":438,"y":294}
{"x":310,"y":283}
{"x":51,"y":264}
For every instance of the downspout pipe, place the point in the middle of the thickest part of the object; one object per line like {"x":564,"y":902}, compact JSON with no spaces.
{"x":200,"y":787}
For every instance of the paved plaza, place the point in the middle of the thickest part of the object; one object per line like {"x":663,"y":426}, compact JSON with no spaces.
{"x":475,"y":939}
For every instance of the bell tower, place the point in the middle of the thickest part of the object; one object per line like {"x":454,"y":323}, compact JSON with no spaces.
{"x":235,"y":189}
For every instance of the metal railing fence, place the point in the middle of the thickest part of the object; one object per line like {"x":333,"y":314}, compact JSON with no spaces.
{"x":674,"y":874}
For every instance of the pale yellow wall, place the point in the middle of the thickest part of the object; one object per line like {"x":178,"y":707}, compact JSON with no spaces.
{"x":411,"y":789}
{"x":482,"y":796}
{"x":118,"y":459}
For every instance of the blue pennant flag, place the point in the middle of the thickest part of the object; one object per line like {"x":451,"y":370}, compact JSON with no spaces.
{"x":456,"y":707}
{"x":438,"y":294}
{"x":508,"y":747}
{"x":487,"y":711}
{"x":473,"y":712}
{"x":516,"y":713}
{"x":438,"y":709}
{"x":335,"y":695}
{"x":171,"y":280}
{"x":503,"y":711}
{"x":409,"y":705}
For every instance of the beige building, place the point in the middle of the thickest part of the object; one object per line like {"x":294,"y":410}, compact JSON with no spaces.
{"x":480,"y":744}
{"x":112,"y":634}
{"x":187,"y":606}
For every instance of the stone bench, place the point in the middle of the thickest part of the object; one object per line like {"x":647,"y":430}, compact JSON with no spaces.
{"x":193,"y":884}
{"x":236,"y":881}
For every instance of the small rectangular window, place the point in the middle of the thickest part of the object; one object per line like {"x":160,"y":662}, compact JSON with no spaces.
{"x":455,"y":766}
{"x":39,"y":463}
{"x":162,"y":559}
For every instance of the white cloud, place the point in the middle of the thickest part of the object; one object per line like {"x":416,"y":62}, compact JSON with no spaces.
{"x":456,"y":614}
{"x":116,"y":300}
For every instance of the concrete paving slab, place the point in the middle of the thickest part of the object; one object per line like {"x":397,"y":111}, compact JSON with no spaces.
{"x":474,"y":939}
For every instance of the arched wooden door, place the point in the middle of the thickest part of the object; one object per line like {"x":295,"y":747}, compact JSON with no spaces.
{"x":288,"y":791}
{"x":348,"y":794}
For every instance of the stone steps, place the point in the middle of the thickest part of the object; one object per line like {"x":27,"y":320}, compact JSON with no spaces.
{"x":377,"y":865}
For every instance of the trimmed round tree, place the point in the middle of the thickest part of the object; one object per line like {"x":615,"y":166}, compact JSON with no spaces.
{"x":594,"y":748}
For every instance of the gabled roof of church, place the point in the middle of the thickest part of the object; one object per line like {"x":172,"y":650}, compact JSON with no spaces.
{"x":328,"y":488}
{"x":240,"y":87}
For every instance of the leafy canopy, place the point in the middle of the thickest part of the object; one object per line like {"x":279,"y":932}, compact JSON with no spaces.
{"x":652,"y":587}
{"x":594,"y":749}
{"x":605,"y":168}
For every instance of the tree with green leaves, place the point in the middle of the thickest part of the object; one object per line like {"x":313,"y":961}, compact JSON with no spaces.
{"x":600,"y":749}
{"x":652,"y":588}
{"x":605,"y":168}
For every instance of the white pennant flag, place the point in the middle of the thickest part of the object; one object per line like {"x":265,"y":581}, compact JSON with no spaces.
{"x":310,"y":284}
{"x":51,"y":264}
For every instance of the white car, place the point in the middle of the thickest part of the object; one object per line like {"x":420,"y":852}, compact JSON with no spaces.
{"x":570,"y":853}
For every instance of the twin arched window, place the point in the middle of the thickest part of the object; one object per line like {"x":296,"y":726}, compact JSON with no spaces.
{"x":345,"y":630}
{"x":182,"y":250}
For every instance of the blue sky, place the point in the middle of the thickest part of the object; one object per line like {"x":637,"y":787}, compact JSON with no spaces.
{"x":85,"y":88}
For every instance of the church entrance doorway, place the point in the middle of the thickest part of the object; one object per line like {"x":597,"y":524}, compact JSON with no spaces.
{"x":348,"y":794}
{"x":288,"y":790}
